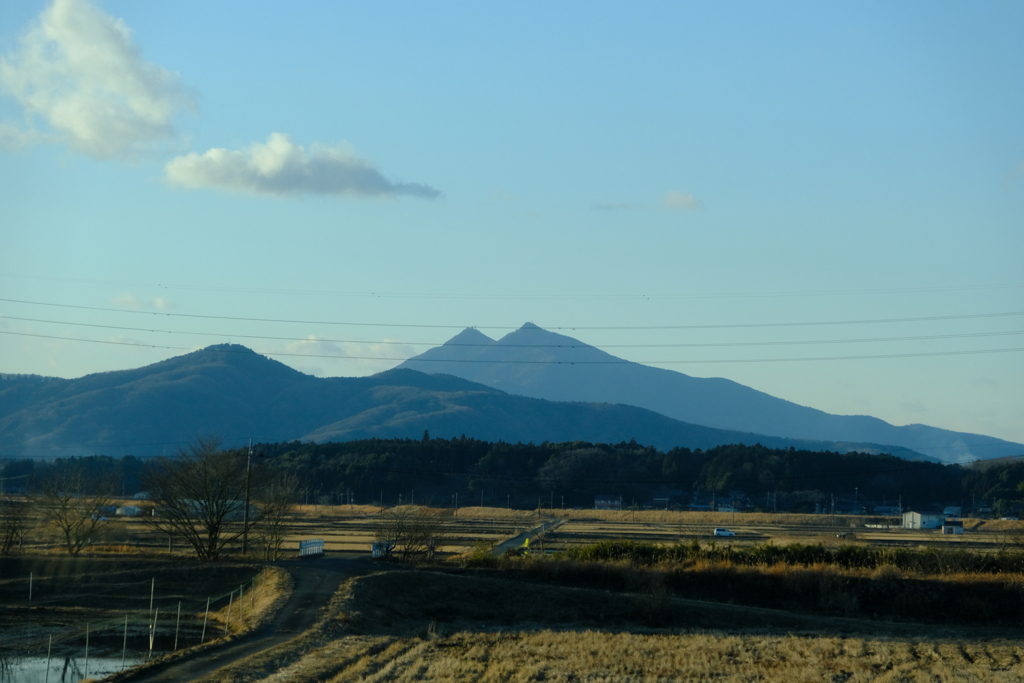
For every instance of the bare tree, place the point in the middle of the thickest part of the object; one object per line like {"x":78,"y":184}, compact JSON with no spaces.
{"x":200,"y":496}
{"x":275,"y":501}
{"x":74,"y":505}
{"x":409,"y":531}
{"x":12,"y":523}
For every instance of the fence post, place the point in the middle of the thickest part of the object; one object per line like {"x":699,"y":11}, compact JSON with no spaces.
{"x":48,"y":648}
{"x":152,"y":588}
{"x":124,"y":645}
{"x":87,"y":649}
{"x":152,"y":633}
{"x":241,"y":599}
{"x":205,"y":618}
{"x":227,"y":624}
{"x":176,"y":625}
{"x":30,"y":577}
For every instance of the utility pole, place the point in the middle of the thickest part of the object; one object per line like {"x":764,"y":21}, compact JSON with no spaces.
{"x":245,"y":513}
{"x":856,"y":507}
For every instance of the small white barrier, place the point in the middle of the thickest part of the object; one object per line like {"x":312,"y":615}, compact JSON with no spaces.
{"x":313,"y":546}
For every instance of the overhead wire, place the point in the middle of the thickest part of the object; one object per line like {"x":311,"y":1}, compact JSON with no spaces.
{"x":863,"y":321}
{"x":580,"y":345}
{"x":539,"y":297}
{"x":614,"y":361}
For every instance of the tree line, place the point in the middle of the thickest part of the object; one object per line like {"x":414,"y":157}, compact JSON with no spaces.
{"x":464,"y":471}
{"x":207,"y":496}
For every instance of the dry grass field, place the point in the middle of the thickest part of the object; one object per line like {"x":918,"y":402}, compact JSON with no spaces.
{"x":697,"y":622}
{"x":399,"y":626}
{"x":643,"y":657}
{"x":351,"y":529}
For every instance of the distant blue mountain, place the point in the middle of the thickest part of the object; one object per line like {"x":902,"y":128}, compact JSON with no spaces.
{"x":232,"y":392}
{"x":541,"y":364}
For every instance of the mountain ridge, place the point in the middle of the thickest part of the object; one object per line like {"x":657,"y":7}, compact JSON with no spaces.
{"x":231,"y":390}
{"x":531,"y":361}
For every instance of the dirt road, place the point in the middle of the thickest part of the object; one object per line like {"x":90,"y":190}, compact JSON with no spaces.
{"x":315,"y":582}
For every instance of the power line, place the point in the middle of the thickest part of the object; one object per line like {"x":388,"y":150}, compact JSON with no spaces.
{"x":581,"y":345}
{"x":520,"y":297}
{"x":614,"y":361}
{"x":864,"y":321}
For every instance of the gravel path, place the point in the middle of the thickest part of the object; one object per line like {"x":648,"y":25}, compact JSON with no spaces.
{"x":316,"y":581}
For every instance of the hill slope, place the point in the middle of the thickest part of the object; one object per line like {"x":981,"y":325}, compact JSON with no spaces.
{"x":232,"y":392}
{"x":534,"y":362}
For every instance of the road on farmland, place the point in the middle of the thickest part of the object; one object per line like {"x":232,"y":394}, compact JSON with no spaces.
{"x":316,"y":581}
{"x":517,"y":541}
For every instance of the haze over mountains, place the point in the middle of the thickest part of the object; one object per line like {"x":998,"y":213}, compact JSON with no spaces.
{"x":535,"y":362}
{"x":232,"y":392}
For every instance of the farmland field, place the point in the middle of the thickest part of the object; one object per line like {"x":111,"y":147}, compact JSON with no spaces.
{"x":352,"y":528}
{"x":544,"y":619}
{"x":402,"y":626}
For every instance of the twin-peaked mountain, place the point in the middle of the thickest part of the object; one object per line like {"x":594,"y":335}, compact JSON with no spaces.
{"x":232,"y":392}
{"x":538,"y":363}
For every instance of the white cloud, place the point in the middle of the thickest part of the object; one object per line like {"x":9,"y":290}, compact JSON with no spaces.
{"x":680,"y":201}
{"x":14,"y":138}
{"x":357,"y":358}
{"x":281,"y":167}
{"x":78,"y":70}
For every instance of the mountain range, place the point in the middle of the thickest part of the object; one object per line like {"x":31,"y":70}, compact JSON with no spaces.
{"x":535,"y":362}
{"x":230,"y":391}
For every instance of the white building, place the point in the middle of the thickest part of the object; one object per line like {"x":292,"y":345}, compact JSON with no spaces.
{"x":915,"y":520}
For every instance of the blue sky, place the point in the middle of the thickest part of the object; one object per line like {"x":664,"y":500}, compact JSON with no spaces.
{"x":578,"y":166}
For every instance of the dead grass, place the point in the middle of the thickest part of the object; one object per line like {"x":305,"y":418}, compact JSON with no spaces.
{"x":273,"y":586}
{"x":625,"y":657}
{"x":405,"y":626}
{"x":711,"y":519}
{"x":114,"y":549}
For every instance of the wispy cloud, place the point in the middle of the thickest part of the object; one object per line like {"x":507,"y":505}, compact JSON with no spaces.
{"x":358,"y":358}
{"x":14,"y":138}
{"x":78,"y":70}
{"x":680,"y":201}
{"x":130,"y":301}
{"x":281,"y":167}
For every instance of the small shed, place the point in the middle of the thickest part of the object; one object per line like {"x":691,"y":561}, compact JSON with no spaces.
{"x":917,"y":520}
{"x":953,"y":526}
